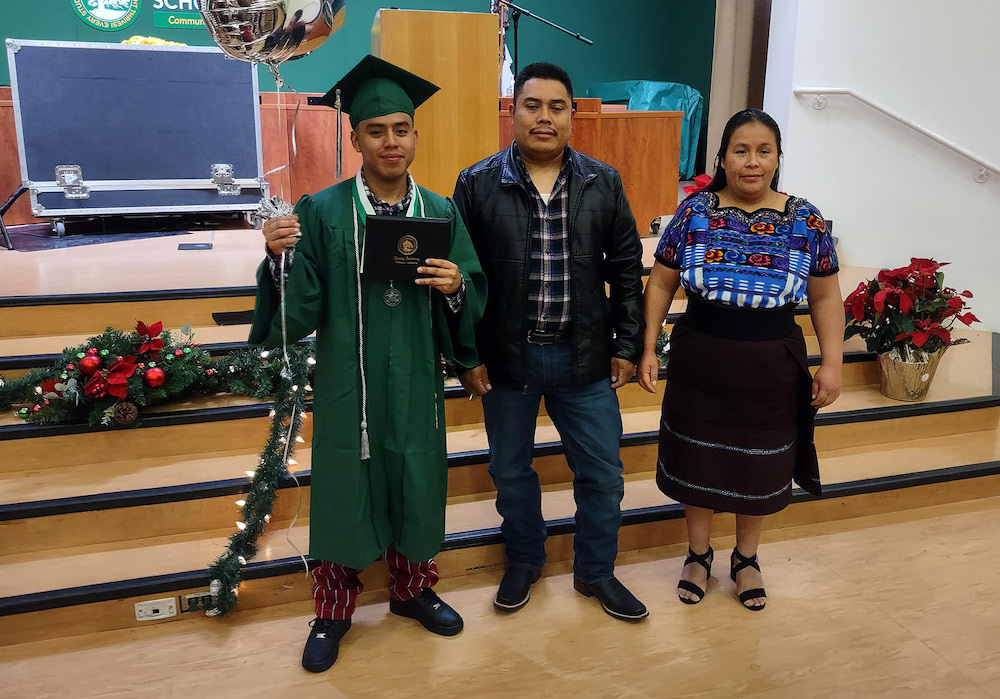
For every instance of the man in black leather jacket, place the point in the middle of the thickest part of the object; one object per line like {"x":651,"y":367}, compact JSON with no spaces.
{"x":552,"y":227}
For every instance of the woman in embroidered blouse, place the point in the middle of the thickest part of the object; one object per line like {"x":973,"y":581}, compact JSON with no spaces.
{"x":740,"y":403}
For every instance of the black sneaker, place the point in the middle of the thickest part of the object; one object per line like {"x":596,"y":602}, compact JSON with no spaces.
{"x":431,"y":611}
{"x":615,"y":598}
{"x":515,"y":588}
{"x":323,"y":643}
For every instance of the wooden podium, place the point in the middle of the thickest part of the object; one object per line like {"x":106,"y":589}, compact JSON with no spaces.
{"x":643,"y":146}
{"x":458,"y":51}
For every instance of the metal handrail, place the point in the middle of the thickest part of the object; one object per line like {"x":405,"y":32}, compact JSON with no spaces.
{"x":986,"y":168}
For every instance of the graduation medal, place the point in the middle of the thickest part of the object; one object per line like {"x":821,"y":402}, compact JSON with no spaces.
{"x":392,"y":297}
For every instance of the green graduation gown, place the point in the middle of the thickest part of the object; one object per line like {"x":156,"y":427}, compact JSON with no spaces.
{"x":397,"y":497}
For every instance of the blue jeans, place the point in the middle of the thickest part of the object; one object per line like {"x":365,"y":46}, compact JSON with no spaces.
{"x":589,"y":423}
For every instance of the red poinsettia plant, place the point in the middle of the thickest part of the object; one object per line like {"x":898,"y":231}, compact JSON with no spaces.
{"x":149,"y":338}
{"x":908,"y":311}
{"x":700,"y":182}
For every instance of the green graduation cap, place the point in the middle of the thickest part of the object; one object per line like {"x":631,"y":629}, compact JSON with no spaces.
{"x":375,"y":88}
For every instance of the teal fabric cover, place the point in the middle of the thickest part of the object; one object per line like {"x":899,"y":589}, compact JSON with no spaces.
{"x":648,"y":95}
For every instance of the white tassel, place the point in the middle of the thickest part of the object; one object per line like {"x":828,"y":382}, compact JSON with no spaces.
{"x":366,"y":450}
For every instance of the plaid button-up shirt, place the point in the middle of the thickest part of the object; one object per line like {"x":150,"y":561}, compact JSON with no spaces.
{"x":549,"y":271}
{"x":384,"y":209}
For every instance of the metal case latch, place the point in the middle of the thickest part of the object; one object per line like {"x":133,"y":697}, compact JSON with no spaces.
{"x":70,"y":178}
{"x":223,"y":177}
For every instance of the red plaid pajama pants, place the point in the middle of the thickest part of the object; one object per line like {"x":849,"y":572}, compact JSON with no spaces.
{"x":336,"y":587}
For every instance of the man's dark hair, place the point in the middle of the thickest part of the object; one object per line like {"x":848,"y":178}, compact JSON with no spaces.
{"x":542,"y":71}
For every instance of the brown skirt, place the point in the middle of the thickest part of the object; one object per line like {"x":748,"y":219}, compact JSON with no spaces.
{"x":736,"y":426}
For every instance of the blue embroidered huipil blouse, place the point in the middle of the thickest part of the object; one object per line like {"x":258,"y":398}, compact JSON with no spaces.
{"x":761,"y":259}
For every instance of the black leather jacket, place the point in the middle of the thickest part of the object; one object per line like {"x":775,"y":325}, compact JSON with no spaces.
{"x":604,"y":248}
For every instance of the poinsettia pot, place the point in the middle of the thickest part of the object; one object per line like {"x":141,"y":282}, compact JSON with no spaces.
{"x":908,"y":378}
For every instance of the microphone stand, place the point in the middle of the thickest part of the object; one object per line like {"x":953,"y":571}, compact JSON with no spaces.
{"x":515,"y":14}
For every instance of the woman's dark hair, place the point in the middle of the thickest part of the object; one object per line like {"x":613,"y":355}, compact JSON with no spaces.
{"x":542,"y":71}
{"x":747,"y":116}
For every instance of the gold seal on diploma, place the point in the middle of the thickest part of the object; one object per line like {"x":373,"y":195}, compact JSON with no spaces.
{"x":407,"y":245}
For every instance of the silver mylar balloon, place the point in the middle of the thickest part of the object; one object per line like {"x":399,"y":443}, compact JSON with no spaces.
{"x":271,"y":31}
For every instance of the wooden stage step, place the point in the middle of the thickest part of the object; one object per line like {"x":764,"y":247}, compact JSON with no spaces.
{"x":157,"y":264}
{"x":233,"y":426}
{"x":19,"y":354}
{"x":82,"y":564}
{"x":50,"y":490}
{"x":38,"y":319}
{"x":138,"y":265}
{"x":154,"y":462}
{"x":90,"y":314}
{"x":965,"y":370}
{"x":69,"y":611}
{"x":212,"y":441}
{"x":859,"y":365}
{"x":823,"y":592}
{"x":114,"y":517}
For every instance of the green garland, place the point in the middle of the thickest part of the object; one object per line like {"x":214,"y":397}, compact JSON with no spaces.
{"x":68,"y":391}
{"x":289,"y":388}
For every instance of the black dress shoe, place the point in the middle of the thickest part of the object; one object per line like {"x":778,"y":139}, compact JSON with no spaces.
{"x":323,"y":643}
{"x":515,"y":588}
{"x":615,"y":598}
{"x":431,"y":611}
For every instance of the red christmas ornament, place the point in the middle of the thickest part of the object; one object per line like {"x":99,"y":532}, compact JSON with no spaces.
{"x":92,"y":350}
{"x":90,"y":364}
{"x":178,"y":353}
{"x":155,"y":377}
{"x":70,"y":367}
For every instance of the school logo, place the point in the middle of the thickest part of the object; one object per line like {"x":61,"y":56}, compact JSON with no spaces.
{"x":107,"y":15}
{"x":407,"y":245}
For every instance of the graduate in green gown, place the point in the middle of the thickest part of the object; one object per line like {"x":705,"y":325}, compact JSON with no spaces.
{"x":379,"y":455}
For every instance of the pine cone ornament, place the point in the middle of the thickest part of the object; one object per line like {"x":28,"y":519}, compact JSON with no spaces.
{"x":125,"y":413}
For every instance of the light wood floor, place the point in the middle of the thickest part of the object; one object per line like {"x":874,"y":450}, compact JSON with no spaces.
{"x":904,"y":604}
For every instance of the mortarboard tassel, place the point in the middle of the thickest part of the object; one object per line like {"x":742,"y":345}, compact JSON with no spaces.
{"x":340,"y":135}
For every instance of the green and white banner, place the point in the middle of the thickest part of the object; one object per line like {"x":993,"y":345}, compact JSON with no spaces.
{"x":107,"y":15}
{"x":177,"y":14}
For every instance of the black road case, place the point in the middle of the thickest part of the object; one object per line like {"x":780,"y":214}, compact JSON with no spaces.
{"x":131,"y":129}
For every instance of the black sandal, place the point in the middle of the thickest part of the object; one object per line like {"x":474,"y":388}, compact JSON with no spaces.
{"x":705,"y":560}
{"x":734,"y":568}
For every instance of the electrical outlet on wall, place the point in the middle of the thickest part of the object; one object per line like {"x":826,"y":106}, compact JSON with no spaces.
{"x":156,"y":609}
{"x":197,"y":602}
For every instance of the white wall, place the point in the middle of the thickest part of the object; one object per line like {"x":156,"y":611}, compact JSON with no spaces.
{"x":778,"y":86}
{"x":893,"y":193}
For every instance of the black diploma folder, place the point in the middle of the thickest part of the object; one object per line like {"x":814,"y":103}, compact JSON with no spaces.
{"x":395,"y":245}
